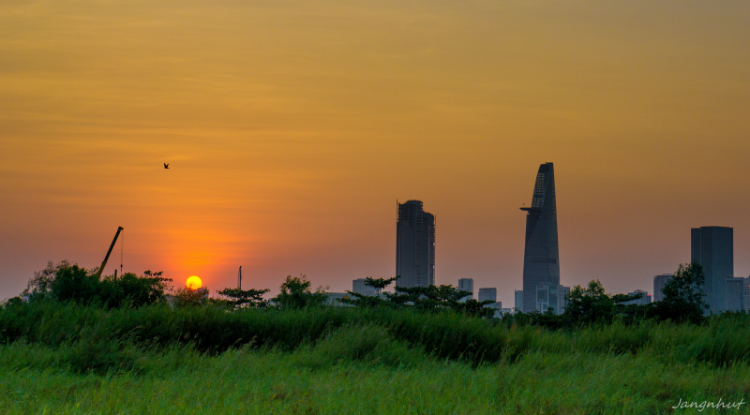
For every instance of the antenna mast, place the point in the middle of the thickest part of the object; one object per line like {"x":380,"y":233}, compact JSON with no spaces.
{"x":122,"y":244}
{"x":239,"y":278}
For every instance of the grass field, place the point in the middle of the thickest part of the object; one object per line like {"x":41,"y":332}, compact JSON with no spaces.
{"x":350,"y":361}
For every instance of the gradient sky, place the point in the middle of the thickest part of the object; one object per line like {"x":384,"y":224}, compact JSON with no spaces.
{"x":293,"y":127}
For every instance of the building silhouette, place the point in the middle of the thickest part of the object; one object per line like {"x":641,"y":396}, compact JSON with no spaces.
{"x":713,"y":248}
{"x":646,"y":299}
{"x":359,"y":287}
{"x":487,"y":294}
{"x":541,"y":260}
{"x":735,"y":292}
{"x":519,"y":300}
{"x":659,"y":282}
{"x":415,"y":245}
{"x":551,"y":296}
{"x":466,"y":284}
{"x":497,"y":306}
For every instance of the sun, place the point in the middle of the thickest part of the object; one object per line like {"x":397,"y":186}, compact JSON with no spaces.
{"x":193,"y":283}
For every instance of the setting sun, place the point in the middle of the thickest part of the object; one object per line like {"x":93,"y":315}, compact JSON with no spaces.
{"x":193,"y":283}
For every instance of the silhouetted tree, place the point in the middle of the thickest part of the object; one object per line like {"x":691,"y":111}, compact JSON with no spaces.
{"x":238,"y":297}
{"x":590,"y":304}
{"x":74,"y":283}
{"x":363,"y":300}
{"x":66,"y":282}
{"x":437,"y":297}
{"x":295,"y":293}
{"x":132,"y":290}
{"x":474,"y":307}
{"x":41,"y":284}
{"x":185,"y":297}
{"x":380,"y":283}
{"x":425,"y":298}
{"x":683,"y":296}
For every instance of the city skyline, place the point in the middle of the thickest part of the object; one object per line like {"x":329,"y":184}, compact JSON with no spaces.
{"x":290,"y":130}
{"x":544,"y":185}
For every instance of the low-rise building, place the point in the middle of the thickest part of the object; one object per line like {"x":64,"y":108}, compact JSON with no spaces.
{"x":359,"y":287}
{"x":551,"y":296}
{"x":645,"y":299}
{"x":735,"y":294}
{"x":466,"y":284}
{"x":335,"y":298}
{"x":487,"y":294}
{"x":659,"y":282}
{"x":519,"y":300}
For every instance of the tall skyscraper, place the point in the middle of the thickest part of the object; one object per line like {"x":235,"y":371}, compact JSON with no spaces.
{"x":415,"y":245}
{"x":487,"y":294}
{"x":466,"y":284}
{"x":541,"y":260}
{"x":659,"y":282}
{"x":713,"y":248}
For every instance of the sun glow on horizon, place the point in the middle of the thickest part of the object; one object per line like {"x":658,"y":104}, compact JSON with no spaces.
{"x":193,"y":283}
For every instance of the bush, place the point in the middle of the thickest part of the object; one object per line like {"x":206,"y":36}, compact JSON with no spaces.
{"x":66,"y":282}
{"x":239,"y":297}
{"x":724,"y":339}
{"x":295,"y":293}
{"x":683,"y":296}
{"x":185,"y":297}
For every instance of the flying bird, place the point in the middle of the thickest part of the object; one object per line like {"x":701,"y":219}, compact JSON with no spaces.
{"x":166,"y":166}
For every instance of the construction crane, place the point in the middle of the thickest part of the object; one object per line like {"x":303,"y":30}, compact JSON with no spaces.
{"x":104,"y":263}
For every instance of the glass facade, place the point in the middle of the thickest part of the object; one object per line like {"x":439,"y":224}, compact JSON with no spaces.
{"x":415,"y":245}
{"x":519,"y":300}
{"x":713,"y":248}
{"x":541,"y":262}
{"x":550,"y":296}
{"x":659,"y":282}
{"x":487,"y":294}
{"x":466,"y":284}
{"x":734,"y":294}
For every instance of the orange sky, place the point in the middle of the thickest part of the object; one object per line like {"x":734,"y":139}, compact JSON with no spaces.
{"x":292,"y":127}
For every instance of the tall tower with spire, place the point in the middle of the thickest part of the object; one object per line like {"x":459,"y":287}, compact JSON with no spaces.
{"x":541,"y":259}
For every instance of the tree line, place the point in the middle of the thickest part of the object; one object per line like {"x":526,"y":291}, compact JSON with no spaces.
{"x":67,"y":282}
{"x":683,"y":302}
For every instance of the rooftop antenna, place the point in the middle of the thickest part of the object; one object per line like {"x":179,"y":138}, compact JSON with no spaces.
{"x":239,"y":278}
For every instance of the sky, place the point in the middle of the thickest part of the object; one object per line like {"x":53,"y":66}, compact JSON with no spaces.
{"x":292,"y":128}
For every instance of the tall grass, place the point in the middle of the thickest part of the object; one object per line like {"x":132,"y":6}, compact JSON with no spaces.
{"x":359,"y":370}
{"x":95,"y":333}
{"x":68,"y":359}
